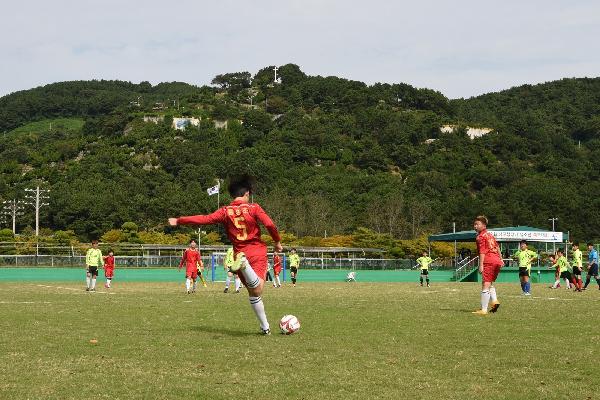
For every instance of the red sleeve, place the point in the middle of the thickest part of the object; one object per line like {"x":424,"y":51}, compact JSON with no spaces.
{"x":182,"y":259}
{"x":218,"y":217}
{"x":268,"y":223}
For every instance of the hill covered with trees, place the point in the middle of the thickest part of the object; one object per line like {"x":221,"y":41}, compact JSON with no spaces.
{"x":332,"y":156}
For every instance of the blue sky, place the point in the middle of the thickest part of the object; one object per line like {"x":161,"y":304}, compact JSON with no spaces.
{"x":461,"y":48}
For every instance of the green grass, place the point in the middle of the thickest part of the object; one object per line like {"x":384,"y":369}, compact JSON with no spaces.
{"x":357,"y":341}
{"x":64,"y":124}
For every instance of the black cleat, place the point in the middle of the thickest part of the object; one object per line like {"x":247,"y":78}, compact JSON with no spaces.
{"x":226,"y":290}
{"x":266,"y":332}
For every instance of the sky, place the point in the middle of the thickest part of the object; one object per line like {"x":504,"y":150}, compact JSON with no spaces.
{"x":460,"y":48}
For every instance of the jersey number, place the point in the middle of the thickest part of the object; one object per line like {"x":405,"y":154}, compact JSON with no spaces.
{"x":239,"y":223}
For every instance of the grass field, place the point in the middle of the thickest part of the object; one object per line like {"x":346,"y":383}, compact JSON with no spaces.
{"x":357,"y":341}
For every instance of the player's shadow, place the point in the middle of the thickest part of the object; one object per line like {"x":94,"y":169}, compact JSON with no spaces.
{"x":223,"y":331}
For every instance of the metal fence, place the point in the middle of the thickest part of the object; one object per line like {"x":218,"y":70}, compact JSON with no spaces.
{"x":212,"y":260}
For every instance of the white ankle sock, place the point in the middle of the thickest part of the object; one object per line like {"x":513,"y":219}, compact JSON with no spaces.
{"x":485,"y":299}
{"x":259,"y":309}
{"x":493,"y":294}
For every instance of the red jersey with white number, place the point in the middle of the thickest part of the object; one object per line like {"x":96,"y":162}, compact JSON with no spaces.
{"x":190,"y":258}
{"x":241,"y":222}
{"x":487,"y":244}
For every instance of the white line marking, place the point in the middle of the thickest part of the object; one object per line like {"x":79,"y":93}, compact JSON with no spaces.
{"x":25,"y":302}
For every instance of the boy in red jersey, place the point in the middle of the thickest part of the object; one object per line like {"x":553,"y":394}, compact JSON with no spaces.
{"x":109,"y":268}
{"x":241,"y":219}
{"x":276,"y":269}
{"x":191,"y":259}
{"x":490,"y":262}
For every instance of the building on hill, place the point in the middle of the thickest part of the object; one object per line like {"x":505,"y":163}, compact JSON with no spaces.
{"x":180,"y":123}
{"x":473,"y":133}
{"x":155,"y":120}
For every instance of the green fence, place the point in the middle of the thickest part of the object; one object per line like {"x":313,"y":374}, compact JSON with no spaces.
{"x":57,"y":274}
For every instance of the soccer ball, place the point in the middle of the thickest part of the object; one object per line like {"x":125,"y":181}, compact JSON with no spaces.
{"x":289,"y":324}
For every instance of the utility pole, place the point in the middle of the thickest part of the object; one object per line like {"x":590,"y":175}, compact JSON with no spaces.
{"x":36,"y":198}
{"x":13,"y":208}
{"x":553,"y":219}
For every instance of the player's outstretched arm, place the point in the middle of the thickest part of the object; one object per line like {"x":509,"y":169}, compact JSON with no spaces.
{"x":269,"y":224}
{"x":217,"y":217}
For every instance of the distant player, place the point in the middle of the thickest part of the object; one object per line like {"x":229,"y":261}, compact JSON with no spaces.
{"x":93,"y":261}
{"x":228,"y":264}
{"x":191,"y":260}
{"x":351,"y":277}
{"x":294,"y":266}
{"x":525,"y":257}
{"x":592,"y":270}
{"x":577,"y":267}
{"x":109,"y":268}
{"x":424,"y":262}
{"x":490,"y":262}
{"x":241,"y":219}
{"x":269,"y":277}
{"x":276,"y":269}
{"x":563,"y":265}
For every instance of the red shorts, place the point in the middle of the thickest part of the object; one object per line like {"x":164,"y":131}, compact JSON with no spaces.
{"x":108,"y":272}
{"x":490,"y":272}
{"x":257,"y":257}
{"x":277,"y":271}
{"x":191,"y":272}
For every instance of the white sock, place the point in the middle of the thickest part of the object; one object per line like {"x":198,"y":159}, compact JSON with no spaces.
{"x":108,"y":282}
{"x":93,"y":283}
{"x":238,"y":283}
{"x":87,"y":281}
{"x":193,"y":285}
{"x":259,"y":309}
{"x":568,"y":283}
{"x":227,"y":282}
{"x":278,"y":281}
{"x":250,"y":276}
{"x":556,"y":283}
{"x":188,"y":284}
{"x":485,"y":299}
{"x":493,"y":294}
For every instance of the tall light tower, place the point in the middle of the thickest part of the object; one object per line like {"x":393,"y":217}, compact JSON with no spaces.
{"x":13,"y":208}
{"x":37,"y":198}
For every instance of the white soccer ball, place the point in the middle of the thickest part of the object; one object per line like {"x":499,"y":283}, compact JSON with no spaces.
{"x":289,"y":324}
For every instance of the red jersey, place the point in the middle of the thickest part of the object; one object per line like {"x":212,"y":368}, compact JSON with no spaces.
{"x":276,"y":263}
{"x":190,"y":258}
{"x":109,"y":262}
{"x":241,"y":222}
{"x":487,"y":244}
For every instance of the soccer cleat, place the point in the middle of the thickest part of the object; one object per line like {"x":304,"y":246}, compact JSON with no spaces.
{"x":526,"y":294}
{"x":237,"y":291}
{"x":480,"y":312}
{"x":204,"y":284}
{"x":87,"y":289}
{"x":226,"y":290}
{"x":495,"y":307}
{"x":266,"y":332}
{"x":239,"y":263}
